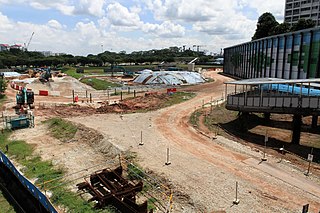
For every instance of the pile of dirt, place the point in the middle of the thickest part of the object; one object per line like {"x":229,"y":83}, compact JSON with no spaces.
{"x":65,"y":111}
{"x":149,"y":101}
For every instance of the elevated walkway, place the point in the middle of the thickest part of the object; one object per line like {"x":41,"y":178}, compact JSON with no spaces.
{"x":270,"y":95}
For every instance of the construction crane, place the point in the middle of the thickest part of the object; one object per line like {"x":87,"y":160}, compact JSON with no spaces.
{"x":27,"y":46}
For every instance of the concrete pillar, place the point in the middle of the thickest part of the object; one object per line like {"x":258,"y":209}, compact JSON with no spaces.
{"x":244,"y":121}
{"x":267,"y":116}
{"x":296,"y":129}
{"x":314,"y":121}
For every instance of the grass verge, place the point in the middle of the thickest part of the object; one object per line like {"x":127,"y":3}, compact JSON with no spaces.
{"x":61,"y":129}
{"x":178,"y":97}
{"x":194,"y":118}
{"x":99,"y":84}
{"x":72,"y":72}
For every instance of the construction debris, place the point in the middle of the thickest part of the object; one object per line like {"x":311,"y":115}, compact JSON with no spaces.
{"x":109,"y":187}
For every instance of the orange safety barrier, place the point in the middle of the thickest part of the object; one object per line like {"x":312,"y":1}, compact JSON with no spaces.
{"x":172,"y":90}
{"x":43,"y":92}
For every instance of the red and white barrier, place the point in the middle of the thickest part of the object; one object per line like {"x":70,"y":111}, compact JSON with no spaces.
{"x":43,"y":92}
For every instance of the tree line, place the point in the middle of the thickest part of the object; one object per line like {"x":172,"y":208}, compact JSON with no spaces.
{"x":268,"y":26}
{"x":17,"y":57}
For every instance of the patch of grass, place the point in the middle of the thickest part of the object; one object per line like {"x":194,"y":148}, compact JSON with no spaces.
{"x":5,"y":205}
{"x":194,"y":118}
{"x":94,"y":70}
{"x":71,"y":200}
{"x":61,"y":129}
{"x":178,"y":97}
{"x":3,"y":98}
{"x":151,"y":202}
{"x":135,"y":173}
{"x":72,"y":72}
{"x":99,"y":84}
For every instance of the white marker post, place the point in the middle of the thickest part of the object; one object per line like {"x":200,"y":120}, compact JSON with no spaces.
{"x":236,"y":201}
{"x":282,"y":150}
{"x":310,"y":159}
{"x":265,"y":147}
{"x":141,"y":142}
{"x":168,"y":157}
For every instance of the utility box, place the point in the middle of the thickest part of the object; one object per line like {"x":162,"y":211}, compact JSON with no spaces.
{"x":20,"y":122}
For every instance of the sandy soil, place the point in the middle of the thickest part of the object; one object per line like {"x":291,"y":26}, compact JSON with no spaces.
{"x":203,"y":172}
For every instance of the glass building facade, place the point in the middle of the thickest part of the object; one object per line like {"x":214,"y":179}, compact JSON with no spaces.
{"x":302,"y":9}
{"x":289,"y":56}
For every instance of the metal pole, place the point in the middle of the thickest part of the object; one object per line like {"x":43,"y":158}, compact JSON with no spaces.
{"x":121,"y":95}
{"x":134,"y":93}
{"x":282,"y":150}
{"x":265,"y":146}
{"x":141,"y":142}
{"x":309,"y":165}
{"x":73,"y":96}
{"x":226,"y":91}
{"x":236,"y":200}
{"x":90,"y":98}
{"x":108,"y":96}
{"x":168,"y":156}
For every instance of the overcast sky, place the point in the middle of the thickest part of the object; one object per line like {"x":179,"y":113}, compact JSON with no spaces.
{"x":82,"y":27}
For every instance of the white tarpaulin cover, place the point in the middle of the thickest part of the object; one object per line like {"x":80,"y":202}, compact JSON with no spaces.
{"x":169,"y":77}
{"x":11,"y":74}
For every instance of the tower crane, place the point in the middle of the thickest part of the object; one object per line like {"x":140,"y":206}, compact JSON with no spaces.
{"x":27,"y":46}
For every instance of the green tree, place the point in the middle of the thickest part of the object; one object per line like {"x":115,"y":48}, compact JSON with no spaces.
{"x":3,"y":86}
{"x":265,"y":26}
{"x":1,"y":64}
{"x":303,"y":24}
{"x":281,"y":28}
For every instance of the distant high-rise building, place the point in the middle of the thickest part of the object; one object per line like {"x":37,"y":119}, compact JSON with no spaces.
{"x":302,"y":9}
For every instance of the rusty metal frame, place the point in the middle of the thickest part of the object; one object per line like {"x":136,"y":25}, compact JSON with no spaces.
{"x":109,"y":187}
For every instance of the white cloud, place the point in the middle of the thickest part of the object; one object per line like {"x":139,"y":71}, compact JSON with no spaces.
{"x":5,"y":23}
{"x":64,"y":6}
{"x":188,"y":11}
{"x":119,"y":15}
{"x":90,"y":7}
{"x":67,"y":7}
{"x":54,"y":24}
{"x":167,"y":29}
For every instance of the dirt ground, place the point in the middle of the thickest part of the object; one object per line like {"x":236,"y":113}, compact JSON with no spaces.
{"x":203,"y":171}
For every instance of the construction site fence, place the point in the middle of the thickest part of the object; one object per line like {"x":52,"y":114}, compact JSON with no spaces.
{"x":117,"y":91}
{"x":34,"y":191}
